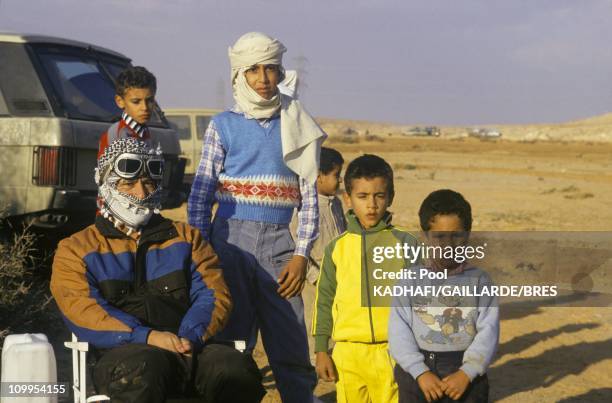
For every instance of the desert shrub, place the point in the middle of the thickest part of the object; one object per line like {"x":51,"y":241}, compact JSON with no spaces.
{"x":400,"y":165}
{"x":374,"y":137}
{"x":21,"y":297}
{"x":15,"y":252}
{"x":349,"y":139}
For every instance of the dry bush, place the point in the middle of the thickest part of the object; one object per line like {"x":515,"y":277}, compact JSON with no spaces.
{"x":374,"y":137}
{"x":349,"y":139}
{"x":21,"y":297}
{"x":15,"y":252}
{"x":400,"y":165}
{"x":14,"y":260}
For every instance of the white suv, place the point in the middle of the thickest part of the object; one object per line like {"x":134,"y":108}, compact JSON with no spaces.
{"x":56,"y":100}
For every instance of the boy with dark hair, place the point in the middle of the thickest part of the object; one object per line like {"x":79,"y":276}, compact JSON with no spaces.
{"x":135,"y":77}
{"x":135,"y":89}
{"x":331,"y":215}
{"x":331,"y":224}
{"x":330,"y":159}
{"x":369,"y":166}
{"x":445,"y":202}
{"x":344,"y":310}
{"x":443,"y":345}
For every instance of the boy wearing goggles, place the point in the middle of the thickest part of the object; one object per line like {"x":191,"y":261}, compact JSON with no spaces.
{"x":148,"y":293}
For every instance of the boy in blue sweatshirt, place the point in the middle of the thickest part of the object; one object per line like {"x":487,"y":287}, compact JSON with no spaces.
{"x":443,"y":345}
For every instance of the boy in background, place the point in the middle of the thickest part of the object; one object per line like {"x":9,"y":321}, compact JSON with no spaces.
{"x":331,"y":215}
{"x":360,"y":363}
{"x":331,"y":224}
{"x":443,"y":346}
{"x":135,"y":90}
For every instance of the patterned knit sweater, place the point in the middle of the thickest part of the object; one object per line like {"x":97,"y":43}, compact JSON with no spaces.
{"x":255,"y":184}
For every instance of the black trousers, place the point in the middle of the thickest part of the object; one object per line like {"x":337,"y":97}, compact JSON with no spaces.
{"x":441,"y":364}
{"x":143,"y":373}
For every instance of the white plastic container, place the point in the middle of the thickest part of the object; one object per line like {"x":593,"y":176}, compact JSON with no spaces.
{"x":28,"y":358}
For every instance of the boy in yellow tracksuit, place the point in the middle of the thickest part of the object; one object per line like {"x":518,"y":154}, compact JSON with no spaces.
{"x":346,"y":307}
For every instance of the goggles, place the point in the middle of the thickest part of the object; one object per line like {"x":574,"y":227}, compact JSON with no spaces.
{"x":131,"y":166}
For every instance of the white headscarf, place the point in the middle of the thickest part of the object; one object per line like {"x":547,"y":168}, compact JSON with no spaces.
{"x":301,"y":136}
{"x":289,"y":86}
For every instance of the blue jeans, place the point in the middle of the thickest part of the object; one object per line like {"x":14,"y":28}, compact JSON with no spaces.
{"x":252,"y":255}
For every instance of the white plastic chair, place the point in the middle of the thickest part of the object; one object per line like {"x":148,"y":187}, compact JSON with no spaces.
{"x":79,"y":369}
{"x":79,"y":372}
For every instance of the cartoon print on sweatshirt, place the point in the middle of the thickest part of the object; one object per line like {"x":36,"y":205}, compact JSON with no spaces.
{"x":448,"y":323}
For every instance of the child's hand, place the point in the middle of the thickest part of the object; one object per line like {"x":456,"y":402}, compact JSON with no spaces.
{"x":456,"y":384}
{"x":291,"y":279}
{"x":433,"y":388}
{"x":325,"y":367}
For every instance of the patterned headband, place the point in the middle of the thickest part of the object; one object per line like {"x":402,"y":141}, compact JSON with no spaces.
{"x":125,"y":145}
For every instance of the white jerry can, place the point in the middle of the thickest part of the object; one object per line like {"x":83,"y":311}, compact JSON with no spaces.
{"x":27,"y":358}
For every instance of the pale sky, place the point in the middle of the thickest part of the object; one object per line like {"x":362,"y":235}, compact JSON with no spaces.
{"x":406,"y":61}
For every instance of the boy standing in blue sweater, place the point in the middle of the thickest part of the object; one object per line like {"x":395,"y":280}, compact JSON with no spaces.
{"x":260,"y":161}
{"x":443,"y":345}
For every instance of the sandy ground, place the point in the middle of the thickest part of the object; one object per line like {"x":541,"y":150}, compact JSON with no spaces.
{"x":546,"y":354}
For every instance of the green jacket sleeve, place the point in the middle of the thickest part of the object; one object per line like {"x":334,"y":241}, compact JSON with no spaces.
{"x":322,"y":322}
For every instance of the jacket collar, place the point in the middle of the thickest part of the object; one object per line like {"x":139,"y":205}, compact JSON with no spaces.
{"x":353,"y":225}
{"x":140,"y":130}
{"x":325,"y":198}
{"x":157,"y":229}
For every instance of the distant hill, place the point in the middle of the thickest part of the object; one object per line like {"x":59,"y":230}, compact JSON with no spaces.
{"x":605,"y":119}
{"x":593,"y":129}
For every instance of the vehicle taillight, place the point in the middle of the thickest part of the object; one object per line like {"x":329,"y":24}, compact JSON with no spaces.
{"x":54,"y":166}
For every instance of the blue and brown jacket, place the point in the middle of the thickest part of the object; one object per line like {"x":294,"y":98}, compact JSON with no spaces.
{"x":346,"y":307}
{"x":112,"y":289}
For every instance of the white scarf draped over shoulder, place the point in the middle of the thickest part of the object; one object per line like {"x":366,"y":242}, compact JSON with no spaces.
{"x":301,"y":136}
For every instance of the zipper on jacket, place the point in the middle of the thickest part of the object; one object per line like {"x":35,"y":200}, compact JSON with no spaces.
{"x":140,"y":264}
{"x":365,"y":272}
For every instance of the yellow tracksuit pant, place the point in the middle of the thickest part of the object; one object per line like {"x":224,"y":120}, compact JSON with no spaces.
{"x":365,"y":373}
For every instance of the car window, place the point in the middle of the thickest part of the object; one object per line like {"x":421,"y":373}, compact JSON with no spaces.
{"x":181,"y":124}
{"x":3,"y":108}
{"x":84,"y":89}
{"x":201,"y":125}
{"x":113,"y":69}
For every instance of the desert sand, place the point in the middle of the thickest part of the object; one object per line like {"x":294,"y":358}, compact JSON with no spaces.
{"x":558,"y":179}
